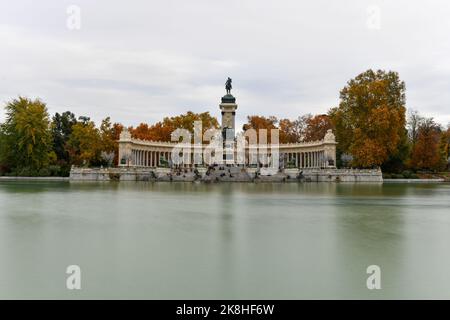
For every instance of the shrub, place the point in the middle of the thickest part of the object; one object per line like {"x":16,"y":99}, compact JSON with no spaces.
{"x":44,"y":172}
{"x":407,"y":174}
{"x":387,"y":176}
{"x":65,"y":171}
{"x":26,"y":172}
{"x":54,"y":170}
{"x":397,"y":176}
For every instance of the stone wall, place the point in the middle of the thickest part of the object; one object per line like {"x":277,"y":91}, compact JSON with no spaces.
{"x":225,"y":174}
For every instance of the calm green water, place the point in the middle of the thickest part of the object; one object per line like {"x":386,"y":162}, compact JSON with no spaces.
{"x":189,"y":241}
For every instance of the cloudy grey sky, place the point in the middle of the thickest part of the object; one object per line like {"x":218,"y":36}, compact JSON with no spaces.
{"x":138,"y":61}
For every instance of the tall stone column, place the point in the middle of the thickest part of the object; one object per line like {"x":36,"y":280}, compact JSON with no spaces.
{"x":329,"y":142}
{"x":125,"y":149}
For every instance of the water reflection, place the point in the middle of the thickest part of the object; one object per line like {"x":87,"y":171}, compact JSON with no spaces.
{"x":236,"y":240}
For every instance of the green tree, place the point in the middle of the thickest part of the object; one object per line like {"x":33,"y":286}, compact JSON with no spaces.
{"x":85,"y":144}
{"x":25,"y":136}
{"x":61,"y":130}
{"x":107,"y":135}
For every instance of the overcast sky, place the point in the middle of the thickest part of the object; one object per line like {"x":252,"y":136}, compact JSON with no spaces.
{"x":138,"y":61}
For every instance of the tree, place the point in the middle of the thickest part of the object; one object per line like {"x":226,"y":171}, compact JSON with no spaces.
{"x":109,"y":136}
{"x":161,"y":131}
{"x":61,"y":130}
{"x":370,"y":119}
{"x":116,"y":131}
{"x":289,"y":131}
{"x":108,"y":157}
{"x":25,"y":135}
{"x":444,"y":149}
{"x":85,"y":144}
{"x":300,"y":126}
{"x":426,"y":153}
{"x":259,"y":122}
{"x":346,"y":159}
{"x":414,"y":122}
{"x":317,"y":127}
{"x":397,"y":161}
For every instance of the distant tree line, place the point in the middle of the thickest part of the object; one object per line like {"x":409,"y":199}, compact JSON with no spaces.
{"x":370,"y":124}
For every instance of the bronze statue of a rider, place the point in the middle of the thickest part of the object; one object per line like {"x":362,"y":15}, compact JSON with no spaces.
{"x":228,"y":86}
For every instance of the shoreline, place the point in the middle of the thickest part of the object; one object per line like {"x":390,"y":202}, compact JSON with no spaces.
{"x":436,"y":180}
{"x":218,"y":173}
{"x":6,"y":178}
{"x":68,"y":179}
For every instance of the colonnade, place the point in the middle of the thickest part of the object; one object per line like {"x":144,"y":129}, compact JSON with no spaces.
{"x":143,"y":158}
{"x":310,"y":159}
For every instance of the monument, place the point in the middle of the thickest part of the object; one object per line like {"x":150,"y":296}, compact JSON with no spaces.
{"x":145,"y":160}
{"x":228,"y":108}
{"x":319,"y":154}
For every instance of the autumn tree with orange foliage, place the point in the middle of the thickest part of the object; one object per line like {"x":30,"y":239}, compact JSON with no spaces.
{"x":260,"y":122}
{"x":370,"y":119}
{"x":317,"y":127}
{"x":445,"y":148}
{"x":291,"y":131}
{"x":426,"y":151}
{"x":161,"y":131}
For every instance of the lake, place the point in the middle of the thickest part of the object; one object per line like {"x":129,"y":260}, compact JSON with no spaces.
{"x":224,"y":241}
